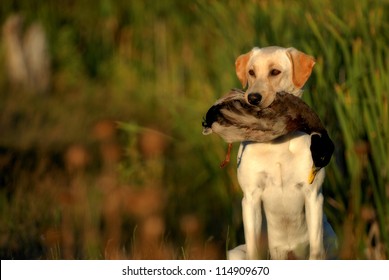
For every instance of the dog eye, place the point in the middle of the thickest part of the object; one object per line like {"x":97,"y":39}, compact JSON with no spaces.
{"x":252,"y":73}
{"x":275,"y":72}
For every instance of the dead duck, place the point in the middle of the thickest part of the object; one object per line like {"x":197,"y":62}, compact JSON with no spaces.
{"x":235,"y":120}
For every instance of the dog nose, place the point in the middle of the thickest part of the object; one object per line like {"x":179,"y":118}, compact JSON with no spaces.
{"x":254,"y":98}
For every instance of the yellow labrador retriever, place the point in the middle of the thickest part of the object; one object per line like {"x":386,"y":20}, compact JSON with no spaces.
{"x":274,"y":175}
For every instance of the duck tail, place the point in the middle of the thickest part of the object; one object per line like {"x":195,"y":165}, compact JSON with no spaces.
{"x":206,"y":127}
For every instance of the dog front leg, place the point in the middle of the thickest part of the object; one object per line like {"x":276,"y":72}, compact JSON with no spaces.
{"x":252,"y":221}
{"x":314,"y":216}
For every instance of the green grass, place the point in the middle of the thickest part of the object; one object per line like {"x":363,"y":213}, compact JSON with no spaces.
{"x":153,"y":188}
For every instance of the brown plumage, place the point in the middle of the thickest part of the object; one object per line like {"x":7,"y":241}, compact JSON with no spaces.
{"x":235,"y":120}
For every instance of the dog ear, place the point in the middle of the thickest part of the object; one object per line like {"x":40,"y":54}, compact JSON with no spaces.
{"x":302,"y":66}
{"x":240,"y":67}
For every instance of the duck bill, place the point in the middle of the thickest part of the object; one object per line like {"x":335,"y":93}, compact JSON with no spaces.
{"x":312,"y":174}
{"x":207,"y":130}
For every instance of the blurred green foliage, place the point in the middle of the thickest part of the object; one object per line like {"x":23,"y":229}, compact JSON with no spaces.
{"x":155,"y":67}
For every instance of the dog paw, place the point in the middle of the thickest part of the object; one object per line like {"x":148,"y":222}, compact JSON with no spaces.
{"x":238,"y":253}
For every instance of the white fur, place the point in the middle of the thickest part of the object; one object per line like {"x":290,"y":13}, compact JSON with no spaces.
{"x":274,"y":176}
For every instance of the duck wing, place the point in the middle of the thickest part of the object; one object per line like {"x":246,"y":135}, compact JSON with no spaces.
{"x":235,"y":120}
{"x":298,"y":115}
{"x":301,"y":117}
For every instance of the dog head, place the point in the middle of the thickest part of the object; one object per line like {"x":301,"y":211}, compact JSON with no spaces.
{"x":266,"y":71}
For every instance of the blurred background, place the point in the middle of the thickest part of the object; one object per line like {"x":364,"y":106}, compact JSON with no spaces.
{"x":101,"y":103}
